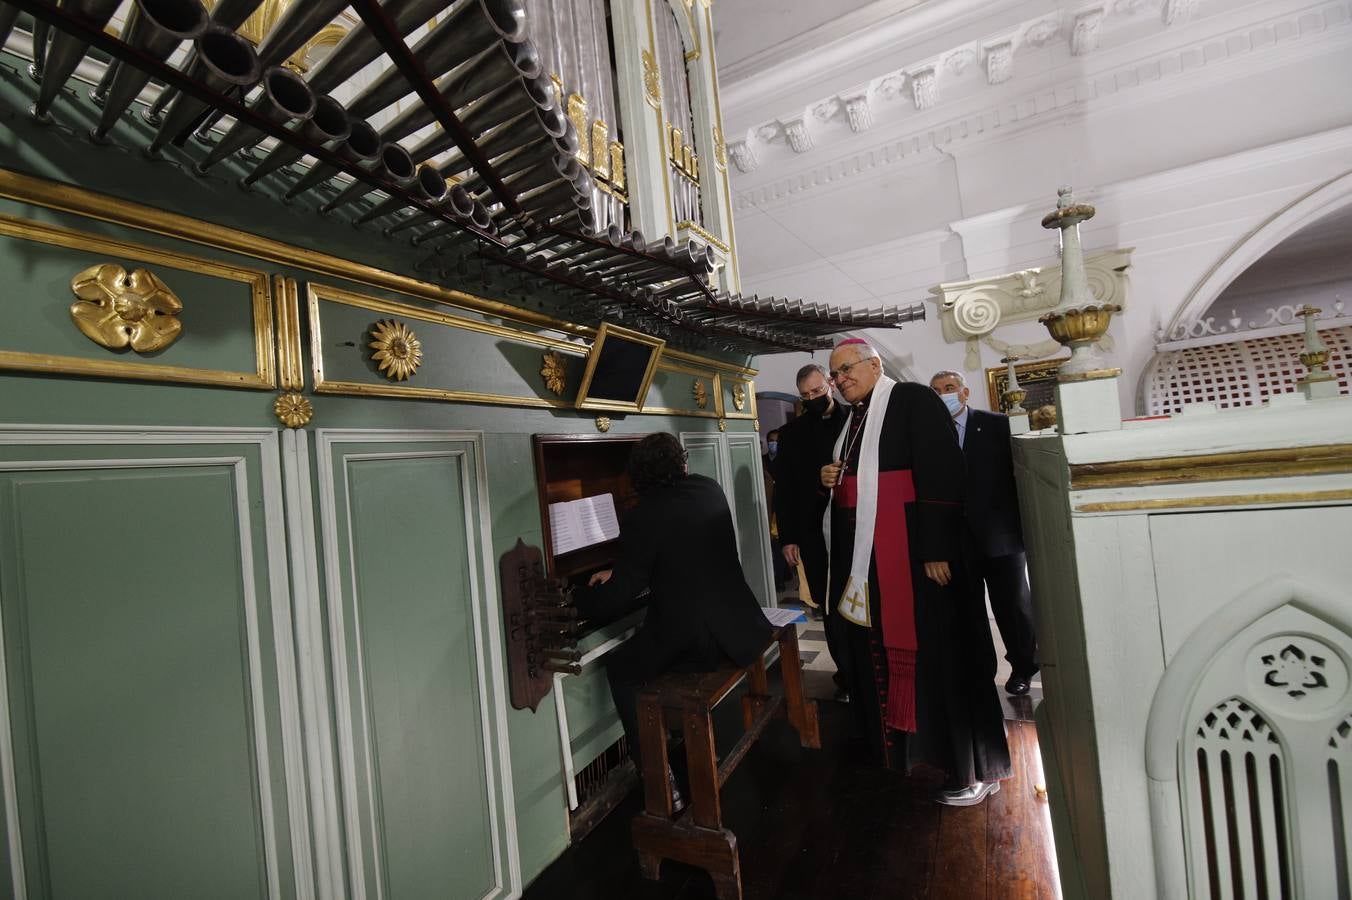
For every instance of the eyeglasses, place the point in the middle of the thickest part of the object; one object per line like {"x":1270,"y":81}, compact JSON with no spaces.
{"x":845,"y":369}
{"x":818,"y":391}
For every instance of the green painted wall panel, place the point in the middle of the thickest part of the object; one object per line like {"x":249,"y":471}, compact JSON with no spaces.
{"x":217,"y":312}
{"x":702,"y":459}
{"x":128,"y":676}
{"x":747,"y":493}
{"x":413,"y":578}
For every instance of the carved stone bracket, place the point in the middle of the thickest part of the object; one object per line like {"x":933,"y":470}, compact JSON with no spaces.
{"x":925,"y":88}
{"x":743,"y":156}
{"x":800,"y":139}
{"x":971,"y":310}
{"x":1084,"y":35}
{"x":860,"y":113}
{"x":999,"y":62}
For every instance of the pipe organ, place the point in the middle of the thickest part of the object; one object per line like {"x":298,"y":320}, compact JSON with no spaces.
{"x":291,"y":289}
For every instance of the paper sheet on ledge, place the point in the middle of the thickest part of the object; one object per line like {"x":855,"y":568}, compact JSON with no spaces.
{"x":785,"y":615}
{"x":574,"y":524}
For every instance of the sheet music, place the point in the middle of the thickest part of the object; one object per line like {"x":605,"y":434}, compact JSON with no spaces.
{"x":574,"y":524}
{"x":784,"y":615}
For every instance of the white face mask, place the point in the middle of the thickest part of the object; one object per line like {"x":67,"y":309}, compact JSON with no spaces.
{"x":953,"y":402}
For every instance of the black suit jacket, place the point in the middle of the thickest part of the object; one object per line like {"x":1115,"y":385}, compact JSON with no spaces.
{"x":992,"y":500}
{"x":800,"y":500}
{"x":679,"y":543}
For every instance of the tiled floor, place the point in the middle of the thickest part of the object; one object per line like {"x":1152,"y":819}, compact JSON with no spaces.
{"x":816,"y":658}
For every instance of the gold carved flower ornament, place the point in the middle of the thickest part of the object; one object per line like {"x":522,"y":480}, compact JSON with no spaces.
{"x":739,"y":396}
{"x":555,"y":371}
{"x":701,"y":394}
{"x":397,"y":350}
{"x":116,"y":309}
{"x":293,"y":409}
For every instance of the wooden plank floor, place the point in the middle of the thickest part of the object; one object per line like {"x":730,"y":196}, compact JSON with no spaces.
{"x":819,"y":825}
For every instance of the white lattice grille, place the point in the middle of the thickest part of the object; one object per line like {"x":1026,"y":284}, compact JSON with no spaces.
{"x":1340,"y":803}
{"x":1237,"y":779}
{"x":1242,"y":373}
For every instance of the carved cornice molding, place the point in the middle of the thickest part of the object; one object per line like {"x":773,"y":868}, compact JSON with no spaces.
{"x":1049,"y":102}
{"x":971,"y":310}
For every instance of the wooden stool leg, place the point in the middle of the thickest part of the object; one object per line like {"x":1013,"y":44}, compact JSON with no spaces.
{"x":705,"y":807}
{"x":652,"y":739}
{"x":757,"y":692}
{"x":802,"y":712}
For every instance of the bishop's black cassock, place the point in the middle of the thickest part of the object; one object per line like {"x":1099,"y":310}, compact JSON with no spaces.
{"x":938,"y":704}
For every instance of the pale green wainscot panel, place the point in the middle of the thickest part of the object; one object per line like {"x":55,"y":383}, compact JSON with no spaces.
{"x":432,"y":815}
{"x":217,"y":317}
{"x":146,"y":752}
{"x":747,"y":493}
{"x":702,"y":456}
{"x":541,"y":804}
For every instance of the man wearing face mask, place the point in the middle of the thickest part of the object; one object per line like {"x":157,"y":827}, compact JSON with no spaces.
{"x":800,"y":502}
{"x":993,"y":521}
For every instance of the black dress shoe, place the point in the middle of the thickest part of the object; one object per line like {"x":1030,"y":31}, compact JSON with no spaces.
{"x":1017,"y":685}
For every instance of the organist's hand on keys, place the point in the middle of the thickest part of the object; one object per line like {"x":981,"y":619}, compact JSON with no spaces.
{"x":831,"y":473}
{"x":600,"y":577}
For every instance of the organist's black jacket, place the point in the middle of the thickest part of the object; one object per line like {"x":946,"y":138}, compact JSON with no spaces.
{"x":679,"y":543}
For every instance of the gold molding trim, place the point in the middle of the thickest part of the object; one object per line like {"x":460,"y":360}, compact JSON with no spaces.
{"x":263,"y":378}
{"x":1325,"y":459}
{"x":290,"y":354}
{"x":397,"y":350}
{"x":1219,"y":500}
{"x":79,"y":201}
{"x":554,"y":370}
{"x":293,"y":409}
{"x":703,"y":233}
{"x":1092,"y":375}
{"x":115,"y":308}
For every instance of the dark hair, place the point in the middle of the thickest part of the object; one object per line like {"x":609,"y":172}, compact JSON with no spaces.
{"x":656,"y":461}
{"x":808,"y":370}
{"x":773,"y":432}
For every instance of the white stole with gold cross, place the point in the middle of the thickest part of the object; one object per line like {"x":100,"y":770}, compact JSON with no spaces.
{"x":854,"y":604}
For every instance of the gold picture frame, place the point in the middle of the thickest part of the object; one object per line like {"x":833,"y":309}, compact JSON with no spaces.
{"x":584,"y":401}
{"x":1038,"y":378}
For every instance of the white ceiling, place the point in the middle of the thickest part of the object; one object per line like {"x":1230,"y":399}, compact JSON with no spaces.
{"x":745,"y":28}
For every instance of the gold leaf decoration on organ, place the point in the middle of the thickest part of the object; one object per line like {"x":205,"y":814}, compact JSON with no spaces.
{"x":700,"y":393}
{"x":397,"y":350}
{"x":739,"y":396}
{"x":116,"y":309}
{"x":293,"y":409}
{"x":554,"y":369}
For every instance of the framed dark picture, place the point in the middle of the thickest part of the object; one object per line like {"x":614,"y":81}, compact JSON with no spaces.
{"x":619,"y":369}
{"x":1038,"y":378}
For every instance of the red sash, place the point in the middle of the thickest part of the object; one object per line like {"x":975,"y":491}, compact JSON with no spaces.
{"x":896,"y":592}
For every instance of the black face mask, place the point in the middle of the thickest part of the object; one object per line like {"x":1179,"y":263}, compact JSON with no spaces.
{"x":817,"y":405}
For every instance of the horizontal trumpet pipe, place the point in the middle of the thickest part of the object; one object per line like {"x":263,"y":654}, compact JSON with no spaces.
{"x":156,"y":28}
{"x":328,"y":127}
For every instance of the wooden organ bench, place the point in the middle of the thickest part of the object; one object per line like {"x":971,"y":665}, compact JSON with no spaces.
{"x":697,"y":836}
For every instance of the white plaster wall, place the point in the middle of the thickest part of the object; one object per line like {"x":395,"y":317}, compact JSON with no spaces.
{"x":1188,"y":139}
